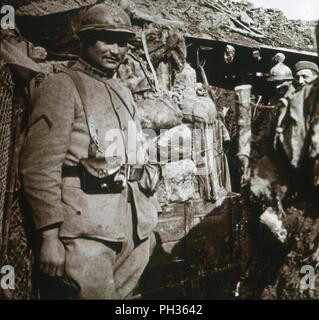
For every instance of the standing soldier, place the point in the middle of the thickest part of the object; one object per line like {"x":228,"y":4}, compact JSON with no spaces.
{"x":85,"y":173}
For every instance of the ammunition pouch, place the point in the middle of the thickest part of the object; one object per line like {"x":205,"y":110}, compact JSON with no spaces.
{"x":96,"y":174}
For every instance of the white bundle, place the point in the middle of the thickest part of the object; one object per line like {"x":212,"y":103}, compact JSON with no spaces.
{"x":270,"y":219}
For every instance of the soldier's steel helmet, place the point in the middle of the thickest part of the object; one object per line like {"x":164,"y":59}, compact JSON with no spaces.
{"x":108,"y":18}
{"x":280,"y":72}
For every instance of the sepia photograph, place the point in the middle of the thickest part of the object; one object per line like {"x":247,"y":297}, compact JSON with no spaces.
{"x":159,"y":150}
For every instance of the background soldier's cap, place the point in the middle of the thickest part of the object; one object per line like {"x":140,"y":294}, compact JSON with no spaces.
{"x":301,"y":65}
{"x":103,"y":17}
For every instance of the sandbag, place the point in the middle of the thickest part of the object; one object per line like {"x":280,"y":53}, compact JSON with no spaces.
{"x":179,"y":182}
{"x":158,"y":111}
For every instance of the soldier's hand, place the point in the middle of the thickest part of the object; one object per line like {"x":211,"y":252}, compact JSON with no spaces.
{"x":52,"y":254}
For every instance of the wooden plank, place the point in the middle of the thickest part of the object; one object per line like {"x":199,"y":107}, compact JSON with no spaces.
{"x":215,"y":208}
{"x":172,"y":211}
{"x":210,"y":42}
{"x":169,"y":230}
{"x":196,"y":245}
{"x":206,"y":230}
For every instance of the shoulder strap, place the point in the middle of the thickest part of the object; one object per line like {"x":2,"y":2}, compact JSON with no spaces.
{"x":115,"y":88}
{"x":78,"y":82}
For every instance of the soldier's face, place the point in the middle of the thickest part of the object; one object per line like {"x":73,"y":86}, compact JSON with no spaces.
{"x":256,"y":55}
{"x":108,"y":50}
{"x":305,"y":76}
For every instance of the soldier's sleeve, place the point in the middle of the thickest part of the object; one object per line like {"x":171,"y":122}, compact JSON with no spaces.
{"x":45,"y":148}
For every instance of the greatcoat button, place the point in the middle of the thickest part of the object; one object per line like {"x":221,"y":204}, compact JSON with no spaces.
{"x":104,"y":186}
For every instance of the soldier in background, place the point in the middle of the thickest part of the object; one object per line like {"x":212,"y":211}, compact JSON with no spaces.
{"x":305,"y":72}
{"x":279,"y":79}
{"x":279,"y":82}
{"x":257,"y":70}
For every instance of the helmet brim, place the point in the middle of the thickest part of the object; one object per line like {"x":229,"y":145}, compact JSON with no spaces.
{"x":278,"y":78}
{"x":124,"y":30}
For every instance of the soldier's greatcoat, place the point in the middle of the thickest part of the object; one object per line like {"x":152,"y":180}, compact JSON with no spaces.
{"x":58,"y":135}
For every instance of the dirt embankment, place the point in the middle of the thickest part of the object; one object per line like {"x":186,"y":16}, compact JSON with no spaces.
{"x":226,"y":20}
{"x":235,"y":22}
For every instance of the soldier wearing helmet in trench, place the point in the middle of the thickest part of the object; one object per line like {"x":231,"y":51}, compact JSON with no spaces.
{"x":280,"y":79}
{"x":279,"y":85}
{"x":87,"y":177}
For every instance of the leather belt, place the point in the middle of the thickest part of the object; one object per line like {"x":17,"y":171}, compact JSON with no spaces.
{"x":71,"y":172}
{"x":132,"y":172}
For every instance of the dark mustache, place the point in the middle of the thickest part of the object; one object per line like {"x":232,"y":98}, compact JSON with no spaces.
{"x":111,"y":56}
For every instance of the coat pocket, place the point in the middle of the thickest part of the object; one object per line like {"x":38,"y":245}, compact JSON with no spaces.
{"x":92,"y":215}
